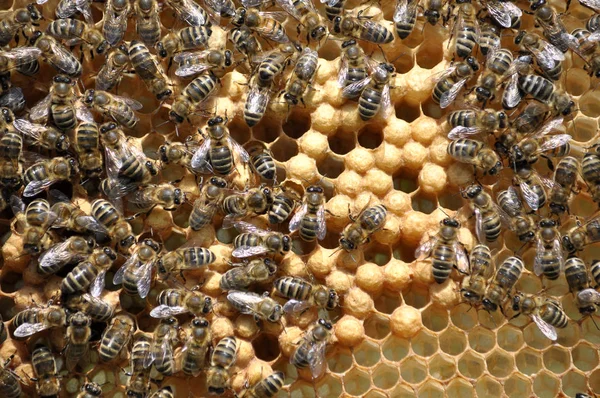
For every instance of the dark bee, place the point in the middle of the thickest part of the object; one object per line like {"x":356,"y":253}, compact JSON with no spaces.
{"x":546,"y":312}
{"x":47,"y":381}
{"x":115,"y":20}
{"x":452,"y":80}
{"x":16,"y":20}
{"x":149,"y":70}
{"x":507,"y":275}
{"x":362,"y":28}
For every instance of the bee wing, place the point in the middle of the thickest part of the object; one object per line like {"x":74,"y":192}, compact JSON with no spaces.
{"x":297,"y":218}
{"x":462,"y":131}
{"x":237,"y":148}
{"x":193,"y":69}
{"x":386,"y":102}
{"x":164,"y":311}
{"x":539,"y":256}
{"x":558,"y":253}
{"x":199,"y":160}
{"x":503,"y":12}
{"x":41,"y":1}
{"x":17,"y":205}
{"x":321,"y":222}
{"x":512,"y":94}
{"x":288,"y":6}
{"x":424,"y":249}
{"x":593,"y":4}
{"x":462,"y":259}
{"x":113,"y":162}
{"x":295,"y":306}
{"x":277,"y":35}
{"x":547,"y":329}
{"x":330,"y":3}
{"x":13,"y":98}
{"x":449,"y":96}
{"x":63,"y":60}
{"x":35,"y":187}
{"x":144,"y":278}
{"x":553,"y":124}
{"x":589,"y":295}
{"x":316,"y":358}
{"x":550,"y":51}
{"x":352,"y":90}
{"x":83,"y":6}
{"x":91,"y":224}
{"x":57,"y":255}
{"x":189,"y":12}
{"x":554,"y":142}
{"x":530,"y":196}
{"x":32,"y":130}
{"x":39,"y":111}
{"x":257,"y":100}
{"x":245,"y":301}
{"x":244,"y":226}
{"x":97,"y":285}
{"x":118,"y":278}
{"x":279,"y":16}
{"x":479,"y":225}
{"x":83,"y":113}
{"x":66,"y":12}
{"x":249,"y":251}
{"x":21,"y":55}
{"x":401,"y":11}
{"x":27,"y":329}
{"x":343,"y":71}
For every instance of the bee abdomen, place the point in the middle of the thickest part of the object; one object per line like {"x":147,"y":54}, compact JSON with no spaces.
{"x":79,"y":278}
{"x":369,"y":103}
{"x":221,"y":160}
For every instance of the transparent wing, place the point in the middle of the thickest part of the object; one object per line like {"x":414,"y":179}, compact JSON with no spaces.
{"x":352,"y":90}
{"x":479,"y":225}
{"x":13,"y":98}
{"x":257,"y":100}
{"x":554,"y":142}
{"x":449,"y":96}
{"x":424,"y":250}
{"x":192,"y":69}
{"x":35,"y":187}
{"x":462,"y":132}
{"x":321,"y":223}
{"x":190,"y":12}
{"x":297,"y":218}
{"x":144,"y":278}
{"x":83,"y":6}
{"x":164,"y":311}
{"x":91,"y":224}
{"x":66,"y":12}
{"x":512,"y":95}
{"x":83,"y":113}
{"x":330,"y":3}
{"x":343,"y":72}
{"x":462,"y":259}
{"x":237,"y":148}
{"x":40,"y":110}
{"x":589,"y":296}
{"x":199,"y":160}
{"x":62,"y":59}
{"x":245,"y":302}
{"x":386,"y":102}
{"x":58,"y":255}
{"x":547,"y":329}
{"x":593,"y":4}
{"x":401,"y":11}
{"x":33,"y":130}
{"x":530,"y":196}
{"x":316,"y":358}
{"x":503,"y":12}
{"x":512,"y":204}
{"x":288,"y":6}
{"x":27,"y":329}
{"x":21,"y":55}
{"x":244,"y":226}
{"x":558,"y":253}
{"x":97,"y":285}
{"x":17,"y":205}
{"x":539,"y":256}
{"x":248,"y":251}
{"x":553,"y":124}
{"x":295,"y":306}
{"x":118,"y":277}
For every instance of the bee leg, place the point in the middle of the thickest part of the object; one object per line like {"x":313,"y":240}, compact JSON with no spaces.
{"x":182,"y":277}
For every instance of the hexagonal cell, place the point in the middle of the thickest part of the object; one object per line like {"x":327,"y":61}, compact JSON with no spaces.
{"x":573,"y":382}
{"x":491,"y":320}
{"x":375,"y":394}
{"x":585,"y":357}
{"x":407,"y":111}
{"x":356,"y":382}
{"x":430,"y":55}
{"x":403,"y":391}
{"x":385,"y":376}
{"x":302,"y":389}
{"x":442,"y":367}
{"x":450,"y":201}
{"x":331,"y":166}
{"x":517,"y":386}
{"x":395,"y":349}
{"x":488,"y":387}
{"x":453,"y":341}
{"x":431,"y":389}
{"x":423,"y":202}
{"x":414,"y":370}
{"x":284,"y":149}
{"x":297,"y":123}
{"x":528,"y":361}
{"x":535,"y":338}
{"x":557,"y":359}
{"x":510,"y":338}
{"x":416,"y":296}
{"x":377,"y":327}
{"x":584,"y":129}
{"x":589,"y":104}
{"x":11,"y":282}
{"x":546,"y":384}
{"x":367,"y":354}
{"x":500,"y":363}
{"x":471,"y":365}
{"x":434,"y":318}
{"x":424,"y":344}
{"x":577,"y":81}
{"x":401,"y":251}
{"x":266,"y":347}
{"x":388,"y":302}
{"x":589,"y":331}
{"x":481,"y":339}
{"x":370,"y":136}
{"x":330,"y":386}
{"x":342,"y":142}
{"x":460,"y":388}
{"x":378,"y":253}
{"x":463,"y":318}
{"x":340,"y":361}
{"x":594,"y":380}
{"x":405,"y":180}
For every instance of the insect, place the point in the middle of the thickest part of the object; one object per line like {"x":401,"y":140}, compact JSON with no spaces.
{"x":115,"y":20}
{"x":211,"y":196}
{"x":405,"y":17}
{"x":255,"y":201}
{"x":374,"y":92}
{"x":515,"y":216}
{"x":532,"y":187}
{"x":309,"y":220}
{"x":16,"y":20}
{"x":256,"y":102}
{"x":75,"y":31}
{"x":192,"y":63}
{"x":548,"y":57}
{"x":581,"y":235}
{"x":267,"y":387}
{"x":590,"y":169}
{"x":149,"y":70}
{"x":56,"y":55}
{"x":163,"y":342}
{"x":118,"y":227}
{"x":12,"y":98}
{"x":71,"y":250}
{"x":481,"y":269}
{"x":78,"y":338}
{"x":196,"y":347}
{"x":303,"y":294}
{"x":217,"y":151}
{"x":222,"y":358}
{"x":261,"y":160}
{"x":361,"y":228}
{"x":192,"y":95}
{"x":506,"y":14}
{"x":188,"y":38}
{"x":47,"y":381}
{"x":72,"y":217}
{"x":362,"y":28}
{"x":136,"y":273}
{"x":452,"y":80}
{"x":69,"y":8}
{"x":115,"y":337}
{"x":489,"y":36}
{"x":304,"y":72}
{"x":86,"y":145}
{"x":466,"y":122}
{"x":546,"y":92}
{"x":254,"y":241}
{"x":284,"y":201}
{"x":120,"y":109}
{"x":165,"y":195}
{"x":245,"y":274}
{"x":18,"y":59}
{"x":44,"y":136}
{"x":549,"y":259}
{"x":513,"y":95}
{"x":36,"y":219}
{"x":266,"y":24}
{"x":311,"y":350}
{"x":245,"y":42}
{"x":90,"y":390}
{"x":306,"y":14}
{"x":507,"y":275}
{"x":222,"y":8}
{"x":190,"y":12}
{"x":9,"y":381}
{"x":354,"y":66}
{"x":261,"y":307}
{"x":164,"y":392}
{"x":138,"y":384}
{"x":546,"y":312}
{"x":578,"y":280}
{"x":173,"y":302}
{"x":111,"y":72}
{"x":466,"y":29}
{"x":34,"y":320}
{"x":477,"y":153}
{"x":554,"y":30}
{"x":89,"y":273}
{"x":498,"y":64}
{"x":147,"y":21}
{"x":97,"y":309}
{"x":487,"y":215}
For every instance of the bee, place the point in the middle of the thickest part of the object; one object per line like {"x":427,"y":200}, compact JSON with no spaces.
{"x":71,"y":217}
{"x":304,"y":72}
{"x":34,"y":320}
{"x":374,"y":92}
{"x":266,"y":24}
{"x":245,"y":274}
{"x":69,"y":8}
{"x":43,"y":174}
{"x":97,"y":309}
{"x":433,"y":11}
{"x":498,"y":64}
{"x":506,"y":14}
{"x":188,"y":38}
{"x":211,"y":196}
{"x":593,"y":23}
{"x":310,"y":218}
{"x":284,"y":201}
{"x":261,"y":160}
{"x":487,"y":214}
{"x":354,"y":66}
{"x":193,"y":63}
{"x":56,"y":55}
{"x":548,"y":57}
{"x":452,"y":81}
{"x":164,"y":392}
{"x":256,"y":102}
{"x":477,"y":153}
{"x":565,"y":179}
{"x":115,"y":337}
{"x":588,"y":49}
{"x":481,"y":268}
{"x":173,"y":302}
{"x":90,"y":390}
{"x":306,"y":14}
{"x":9,"y":381}
{"x":595,"y":271}
{"x":261,"y":307}
{"x":544,"y":91}
{"x":513,"y":95}
{"x":311,"y":349}
{"x":273,"y":64}
{"x":89,"y":273}
{"x":138,"y":384}
{"x":507,"y":275}
{"x":43,"y":136}
{"x":13,"y":99}
{"x":22,"y":59}
{"x":149,"y":70}
{"x":446,"y":250}
{"x":178,"y":153}
{"x":162,"y":346}
{"x":489,"y":37}
{"x":532,"y":187}
{"x":72,"y":250}
{"x":514,"y":213}
{"x":190,"y":12}
{"x":266,"y":388}
{"x":75,"y":31}
{"x":196,"y":347}
{"x":525,"y":153}
{"x":546,"y":312}
{"x":255,"y":201}
{"x":466,"y":122}
{"x":590,"y":165}
{"x":549,"y":259}
{"x":115,"y":20}
{"x":362,"y":28}
{"x":369,"y":221}
{"x":45,"y":371}
{"x":196,"y":92}
{"x":78,"y":338}
{"x":222,"y":8}
{"x":86,"y":145}
{"x":303,"y":294}
{"x":579,"y":284}
{"x":530,"y":119}
{"x":16,"y":20}
{"x":554,"y":30}
{"x":581,"y":235}
{"x":120,"y":109}
{"x":111,"y":72}
{"x":147,"y":21}
{"x":216,"y":153}
{"x":245,"y":42}
{"x":254,"y":241}
{"x":118,"y":228}
{"x":165,"y":195}
{"x":136,"y":273}
{"x":36,"y":220}
{"x":405,"y":17}
{"x":466,"y":29}
{"x":222,"y":358}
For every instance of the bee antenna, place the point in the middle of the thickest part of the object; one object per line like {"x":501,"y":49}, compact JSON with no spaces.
{"x":335,"y":251}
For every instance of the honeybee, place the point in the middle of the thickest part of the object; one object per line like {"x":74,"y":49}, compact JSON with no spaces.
{"x":111,"y":72}
{"x":549,"y":259}
{"x":498,"y":64}
{"x":595,"y":271}
{"x":515,"y":216}
{"x":466,"y":29}
{"x":118,"y":228}
{"x":78,"y":338}
{"x":548,"y":57}
{"x":374,"y":92}
{"x":70,"y":216}
{"x":178,"y":153}
{"x":432,"y":11}
{"x":149,"y":70}
{"x":254,"y":241}
{"x":477,"y":153}
{"x":489,"y":37}
{"x":147,"y":21}
{"x":196,"y":347}
{"x":245,"y":42}
{"x":354,"y":66}
{"x":565,"y":179}
{"x":56,"y":55}
{"x":361,"y":228}
{"x":173,"y":302}
{"x":589,"y":171}
{"x":303,"y":294}
{"x":581,"y":235}
{"x":69,"y":8}
{"x":190,"y":12}
{"x":261,"y":307}
{"x":188,"y":38}
{"x":18,"y":58}
{"x":304,"y":72}
{"x":554,"y":30}
{"x":507,"y":275}
{"x":164,"y":392}
{"x":162,"y":346}
{"x":120,"y":109}
{"x":90,"y":390}
{"x":222,"y":358}
{"x":481,"y":268}
{"x":115,"y":337}
{"x":578,"y":280}
{"x":34,"y":320}
{"x":13,"y":99}
{"x":217,"y":151}
{"x":44,"y":136}
{"x":36,"y":220}
{"x":284,"y":201}
{"x":532,"y":187}
{"x":211,"y":196}
{"x":89,"y":273}
{"x":487,"y":214}
{"x":240,"y":205}
{"x":546,"y":312}
{"x":267,"y":387}
{"x":544,"y":91}
{"x":72,"y":250}
{"x":115,"y":20}
{"x":97,"y":309}
{"x":138,"y":384}
{"x":9,"y":381}
{"x":247,"y":273}
{"x":193,"y":63}
{"x":45,"y":371}
{"x":466,"y":122}
{"x":405,"y":17}
{"x":362,"y":28}
{"x":256,"y":102}
{"x":452,"y":81}
{"x":165,"y":195}
{"x":310,"y":218}
{"x":504,"y":13}
{"x":311,"y":350}
{"x":16,"y":20}
{"x":261,"y":160}
{"x":306,"y":14}
{"x":512,"y":95}
{"x":266,"y":24}
{"x":525,"y":153}
{"x":195,"y":93}
{"x":136,"y":273}
{"x":75,"y":31}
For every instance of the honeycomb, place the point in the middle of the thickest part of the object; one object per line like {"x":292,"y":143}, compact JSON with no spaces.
{"x":396,"y":333}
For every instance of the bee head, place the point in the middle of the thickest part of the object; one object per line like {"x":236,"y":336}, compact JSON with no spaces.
{"x":314,"y":189}
{"x":472,"y":191}
{"x":179,"y":197}
{"x":36,"y":35}
{"x":88,"y":98}
{"x":557,"y":208}
{"x":450,"y":222}
{"x":318,"y":33}
{"x":488,"y":305}
{"x":348,"y":43}
{"x":547,"y":223}
{"x":567,"y":244}
{"x":7,"y":115}
{"x":326,"y":324}
{"x":34,"y":13}
{"x":151,"y":167}
{"x":287,"y":243}
{"x":502,"y":119}
{"x":228,"y":58}
{"x":162,"y":150}
{"x":347,"y":244}
{"x":472,"y":62}
{"x":290,"y":99}
{"x":520,"y":36}
{"x":110,"y":253}
{"x":496,"y":169}
{"x":215,"y":121}
{"x":516,"y":302}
